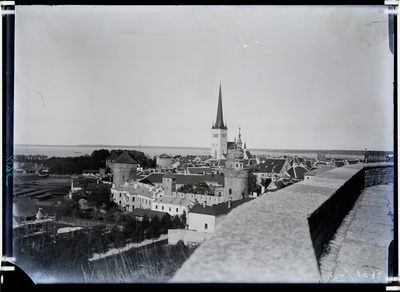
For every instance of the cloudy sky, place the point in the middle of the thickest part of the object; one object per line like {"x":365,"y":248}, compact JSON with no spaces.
{"x":292,"y":77}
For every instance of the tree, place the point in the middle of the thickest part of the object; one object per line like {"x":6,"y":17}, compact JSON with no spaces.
{"x":117,"y":237}
{"x":99,"y":158}
{"x":253,"y":186}
{"x":203,"y":188}
{"x":187,"y":188}
{"x":102,"y":198}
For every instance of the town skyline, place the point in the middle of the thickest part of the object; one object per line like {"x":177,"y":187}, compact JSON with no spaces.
{"x":138,"y":76}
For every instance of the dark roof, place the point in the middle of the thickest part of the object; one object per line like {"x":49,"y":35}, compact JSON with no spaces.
{"x":112,"y":156}
{"x":297,"y":171}
{"x":148,"y":213}
{"x":339,"y":163}
{"x":153,"y":178}
{"x":97,"y":186}
{"x":219,"y":122}
{"x":248,"y":154}
{"x":270,"y":165}
{"x":195,"y":179}
{"x":164,"y":156}
{"x":297,"y":160}
{"x":199,"y":170}
{"x":217,"y":209}
{"x":169,"y":174}
{"x":125,"y":158}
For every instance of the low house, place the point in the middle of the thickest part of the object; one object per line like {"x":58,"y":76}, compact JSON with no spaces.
{"x":23,"y":209}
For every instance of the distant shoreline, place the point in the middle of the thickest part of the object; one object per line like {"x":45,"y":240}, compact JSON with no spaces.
{"x":207,"y":148}
{"x":111,"y":146}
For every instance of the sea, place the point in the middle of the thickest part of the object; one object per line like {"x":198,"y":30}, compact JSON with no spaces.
{"x":151,"y":151}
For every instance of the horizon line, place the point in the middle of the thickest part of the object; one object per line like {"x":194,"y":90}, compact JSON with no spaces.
{"x":198,"y":147}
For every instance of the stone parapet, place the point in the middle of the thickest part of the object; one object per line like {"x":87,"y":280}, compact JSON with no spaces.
{"x":279,"y":237}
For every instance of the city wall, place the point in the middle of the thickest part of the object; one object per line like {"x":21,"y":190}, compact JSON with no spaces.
{"x":280,"y":237}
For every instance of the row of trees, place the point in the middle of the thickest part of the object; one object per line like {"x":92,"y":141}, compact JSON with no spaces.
{"x":95,"y":161}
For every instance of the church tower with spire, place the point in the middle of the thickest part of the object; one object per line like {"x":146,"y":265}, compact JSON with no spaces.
{"x":219,"y":132}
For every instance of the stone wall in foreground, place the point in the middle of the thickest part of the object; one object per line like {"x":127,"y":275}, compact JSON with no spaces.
{"x":279,"y":237}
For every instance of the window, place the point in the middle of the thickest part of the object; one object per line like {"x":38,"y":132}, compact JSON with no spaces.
{"x":156,"y":206}
{"x":215,"y":135}
{"x":162,"y":207}
{"x":205,"y":226}
{"x":230,"y":191}
{"x":169,"y":208}
{"x":177,"y":210}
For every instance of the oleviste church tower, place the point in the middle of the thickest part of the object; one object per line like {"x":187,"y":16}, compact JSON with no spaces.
{"x":219,"y":132}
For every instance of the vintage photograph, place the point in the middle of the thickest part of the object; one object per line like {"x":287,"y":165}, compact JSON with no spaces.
{"x":204,"y":144}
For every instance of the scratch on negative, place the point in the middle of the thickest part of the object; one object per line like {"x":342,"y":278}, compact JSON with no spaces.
{"x":41,"y":96}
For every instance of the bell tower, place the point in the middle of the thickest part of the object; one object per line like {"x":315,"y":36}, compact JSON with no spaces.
{"x":219,"y":132}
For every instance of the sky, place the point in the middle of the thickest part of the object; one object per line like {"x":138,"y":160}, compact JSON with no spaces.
{"x":292,"y":77}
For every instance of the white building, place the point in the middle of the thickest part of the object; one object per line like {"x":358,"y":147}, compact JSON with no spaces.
{"x":136,"y":195}
{"x":172,"y":205}
{"x":200,"y":198}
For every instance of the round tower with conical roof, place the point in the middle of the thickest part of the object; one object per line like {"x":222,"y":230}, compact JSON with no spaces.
{"x":124,"y":169}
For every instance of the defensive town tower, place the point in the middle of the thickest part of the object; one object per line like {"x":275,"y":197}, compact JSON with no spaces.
{"x":236,"y":180}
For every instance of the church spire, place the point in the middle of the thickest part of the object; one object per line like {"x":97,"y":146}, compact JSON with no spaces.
{"x":239,"y":140}
{"x":219,"y":123}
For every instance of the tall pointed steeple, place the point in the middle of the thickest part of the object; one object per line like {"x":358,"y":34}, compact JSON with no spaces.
{"x":219,"y":122}
{"x":239,"y":140}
